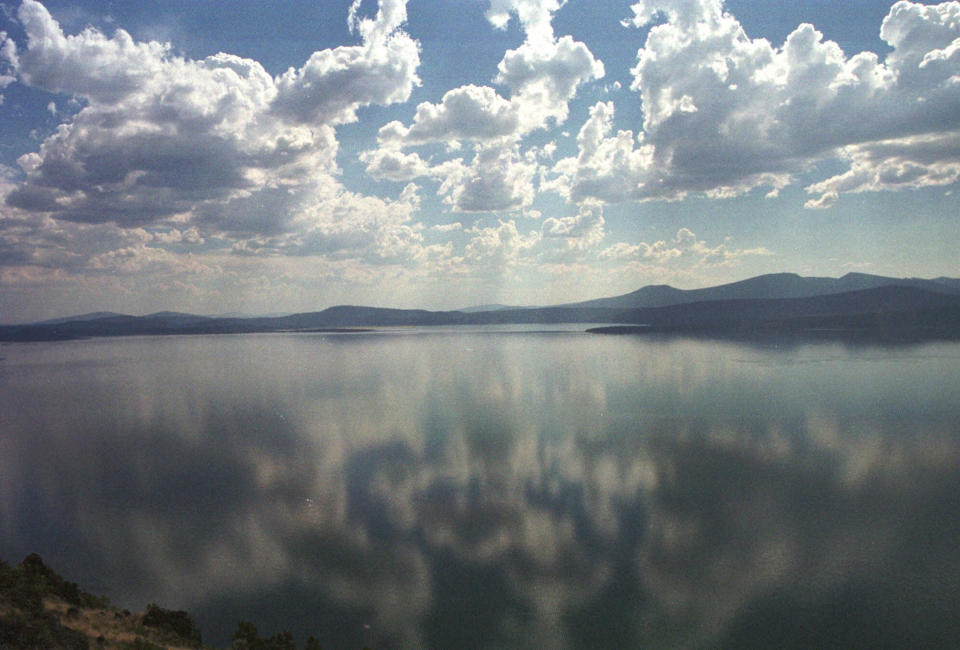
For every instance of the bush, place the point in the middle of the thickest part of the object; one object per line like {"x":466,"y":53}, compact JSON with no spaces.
{"x":39,"y":632}
{"x":140,"y":644}
{"x":248,"y":638}
{"x":25,"y":596}
{"x":178,"y":623}
{"x":27,"y":584}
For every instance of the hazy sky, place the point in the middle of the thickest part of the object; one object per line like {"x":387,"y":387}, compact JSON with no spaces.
{"x":287,"y":156}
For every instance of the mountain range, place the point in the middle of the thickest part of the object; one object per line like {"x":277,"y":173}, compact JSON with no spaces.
{"x":856,"y":303}
{"x":774,"y":286}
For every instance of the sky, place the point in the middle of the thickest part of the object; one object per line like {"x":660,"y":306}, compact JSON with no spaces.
{"x":224,"y":157}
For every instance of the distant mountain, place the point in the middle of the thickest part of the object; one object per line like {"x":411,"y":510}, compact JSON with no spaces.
{"x":779,"y":302}
{"x":175,"y":314}
{"x":489,"y":307}
{"x":951,"y":284}
{"x":82,"y":317}
{"x":885,"y":313}
{"x":241,"y":314}
{"x":899,"y":306}
{"x":776,"y":285}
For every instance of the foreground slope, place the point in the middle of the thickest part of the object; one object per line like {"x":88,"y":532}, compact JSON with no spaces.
{"x":41,"y":610}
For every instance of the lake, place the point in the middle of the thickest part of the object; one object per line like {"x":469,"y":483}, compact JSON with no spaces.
{"x":496,"y":488}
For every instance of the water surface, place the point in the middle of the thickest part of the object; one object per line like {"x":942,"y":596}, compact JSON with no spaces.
{"x":478,"y":488}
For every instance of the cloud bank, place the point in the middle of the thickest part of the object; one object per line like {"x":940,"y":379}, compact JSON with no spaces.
{"x":725,"y":114}
{"x":182,"y":167}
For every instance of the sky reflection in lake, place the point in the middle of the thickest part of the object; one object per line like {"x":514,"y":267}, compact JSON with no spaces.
{"x":495,"y":489}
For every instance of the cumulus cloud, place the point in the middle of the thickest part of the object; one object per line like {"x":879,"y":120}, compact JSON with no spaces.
{"x":684,"y":247}
{"x":913,"y":162}
{"x":499,"y":246}
{"x":542,"y":76}
{"x":44,"y":249}
{"x":88,"y":64}
{"x":339,"y":224}
{"x":725,"y":114}
{"x":608,"y":168}
{"x":498,"y":178}
{"x":161,"y":136}
{"x":333,"y":84}
{"x":394,"y":165}
{"x":534,"y":15}
{"x":164,"y":155}
{"x":465,"y":113}
{"x":5,"y":79}
{"x":213,"y":155}
{"x":211,"y":152}
{"x":570,"y":236}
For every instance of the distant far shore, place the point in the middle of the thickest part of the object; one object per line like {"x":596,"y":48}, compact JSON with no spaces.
{"x":852,"y":306}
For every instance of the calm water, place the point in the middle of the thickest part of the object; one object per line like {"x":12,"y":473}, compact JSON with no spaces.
{"x":496,"y":489}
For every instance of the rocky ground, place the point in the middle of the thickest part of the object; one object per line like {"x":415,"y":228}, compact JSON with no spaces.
{"x":39,"y":610}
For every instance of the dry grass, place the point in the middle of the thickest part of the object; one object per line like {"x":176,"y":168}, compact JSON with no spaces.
{"x":39,"y":610}
{"x":119,"y":630}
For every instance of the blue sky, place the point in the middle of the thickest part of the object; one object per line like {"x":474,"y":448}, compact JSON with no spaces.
{"x":274,"y":157}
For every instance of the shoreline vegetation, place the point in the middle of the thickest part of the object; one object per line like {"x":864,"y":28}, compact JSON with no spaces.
{"x":856,"y":306}
{"x":40,"y":610}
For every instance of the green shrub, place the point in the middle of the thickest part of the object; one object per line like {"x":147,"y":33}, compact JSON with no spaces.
{"x":25,"y":596}
{"x":248,"y":638}
{"x":26,"y":585}
{"x":140,"y":644}
{"x":31,"y":632}
{"x":178,"y":623}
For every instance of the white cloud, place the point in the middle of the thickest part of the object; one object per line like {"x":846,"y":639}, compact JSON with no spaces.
{"x":914,"y":162}
{"x":534,"y":15}
{"x":333,"y":84}
{"x":574,"y":234}
{"x":339,"y":224}
{"x":725,"y":114}
{"x":140,"y":259}
{"x":500,"y":246}
{"x":684,"y":248}
{"x":394,"y":165}
{"x":166,"y":152}
{"x":542,"y":75}
{"x":465,"y":113}
{"x":497,"y":179}
{"x":42,"y":246}
{"x":174,"y":236}
{"x":823,"y":202}
{"x":88,"y":64}
{"x":159,"y":136}
{"x":214,"y":146}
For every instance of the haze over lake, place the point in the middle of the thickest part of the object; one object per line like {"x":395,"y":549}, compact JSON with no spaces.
{"x":495,"y":487}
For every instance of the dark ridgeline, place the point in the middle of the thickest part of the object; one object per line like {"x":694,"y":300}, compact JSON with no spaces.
{"x":774,"y":285}
{"x":856,"y":304}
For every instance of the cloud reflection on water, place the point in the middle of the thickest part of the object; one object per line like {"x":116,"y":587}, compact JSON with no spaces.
{"x":494,"y":490}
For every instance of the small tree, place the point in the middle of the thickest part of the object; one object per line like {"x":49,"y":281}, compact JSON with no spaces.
{"x":178,"y":622}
